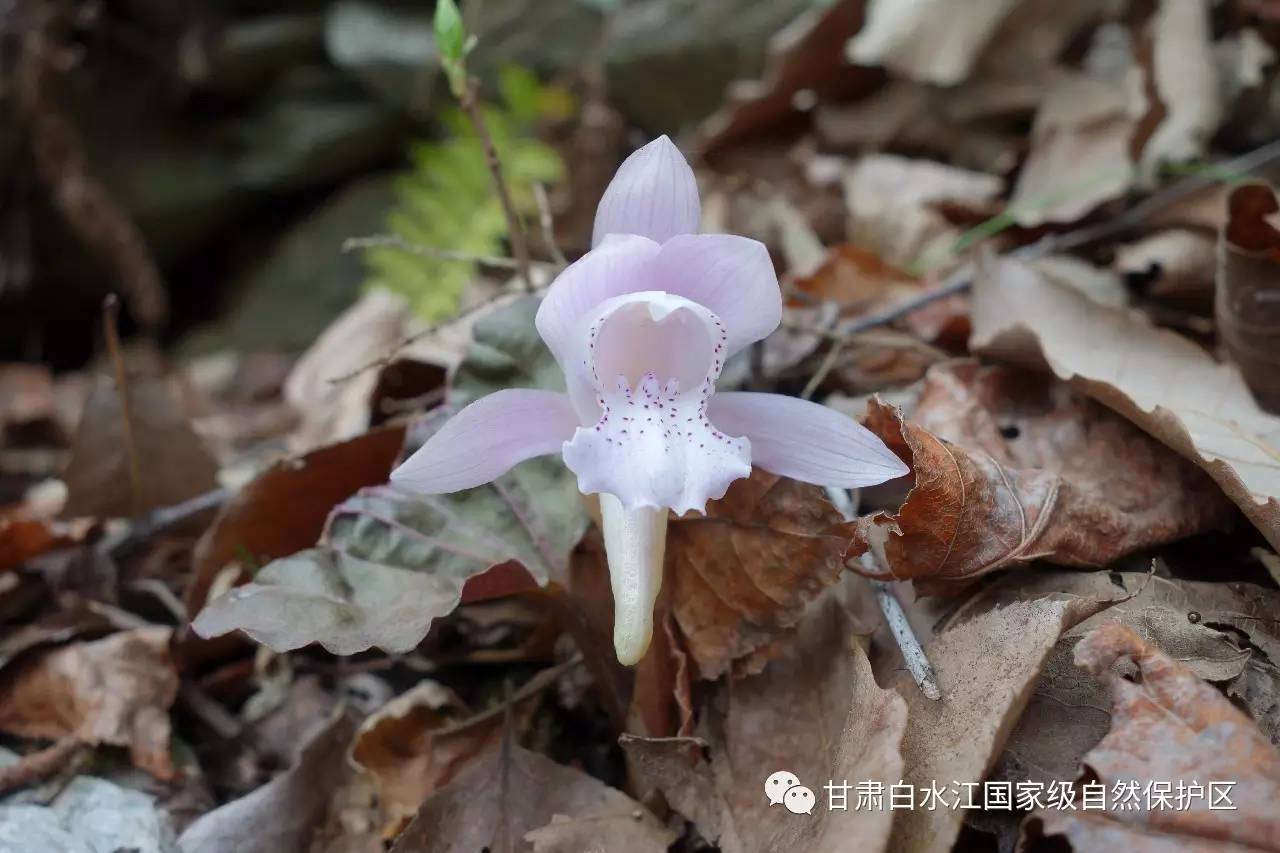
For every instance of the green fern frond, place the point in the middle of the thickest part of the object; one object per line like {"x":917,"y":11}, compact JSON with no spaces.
{"x":446,"y":200}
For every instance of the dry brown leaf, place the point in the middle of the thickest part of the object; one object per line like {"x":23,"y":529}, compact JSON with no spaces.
{"x":409,"y":760}
{"x":807,"y":55}
{"x":895,"y":204}
{"x":943,"y":43}
{"x":1185,"y":104}
{"x":1168,"y":726}
{"x":114,"y":691}
{"x":1248,"y":295}
{"x":1176,"y":264}
{"x":1080,"y":156}
{"x":1226,"y":633}
{"x":172,"y":462}
{"x":287,"y":812}
{"x":1011,"y":466}
{"x":855,"y":278}
{"x":815,"y":712}
{"x":742,"y":574}
{"x":251,"y":524}
{"x":514,"y":799}
{"x":986,"y":669}
{"x":1162,"y":382}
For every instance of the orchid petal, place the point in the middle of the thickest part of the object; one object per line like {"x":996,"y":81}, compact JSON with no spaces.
{"x":732,"y":276}
{"x":654,"y":359}
{"x":487,"y":438}
{"x":805,"y":441}
{"x":617,"y":267}
{"x":653,"y":194}
{"x":635,"y":542}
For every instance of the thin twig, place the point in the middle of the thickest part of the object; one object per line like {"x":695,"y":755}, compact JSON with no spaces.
{"x":110,"y":312}
{"x":519,"y":245}
{"x":533,"y":686}
{"x":827,"y":365}
{"x":35,"y":766}
{"x":548,"y":225}
{"x":390,"y":241}
{"x":894,"y":616}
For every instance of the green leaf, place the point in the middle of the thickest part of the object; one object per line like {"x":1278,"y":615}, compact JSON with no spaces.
{"x":389,"y":562}
{"x":447,"y":199}
{"x":450,"y":38}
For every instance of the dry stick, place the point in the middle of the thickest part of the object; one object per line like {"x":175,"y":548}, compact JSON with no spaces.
{"x":548,"y":225}
{"x":962,"y":279}
{"x":110,"y":311}
{"x":894,"y":616}
{"x":519,"y":247}
{"x":533,"y":686}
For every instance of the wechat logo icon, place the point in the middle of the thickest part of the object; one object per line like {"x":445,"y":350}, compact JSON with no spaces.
{"x":783,"y":787}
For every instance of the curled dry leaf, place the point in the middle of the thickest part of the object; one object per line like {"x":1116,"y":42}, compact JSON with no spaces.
{"x":1168,"y":726}
{"x":407,"y":756}
{"x":743,"y":573}
{"x":252,"y":526}
{"x":1226,"y":633}
{"x":516,"y":800}
{"x":855,"y":278}
{"x":958,"y":738}
{"x":1012,"y":466}
{"x":285,"y":813}
{"x":116,"y":691}
{"x":1248,"y":296}
{"x":816,"y":712}
{"x":1162,"y":382}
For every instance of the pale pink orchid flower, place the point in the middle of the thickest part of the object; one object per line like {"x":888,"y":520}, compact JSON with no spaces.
{"x":642,"y":326}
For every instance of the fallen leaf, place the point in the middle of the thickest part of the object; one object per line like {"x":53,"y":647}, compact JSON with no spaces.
{"x":1080,"y":151}
{"x":1171,"y":727}
{"x":172,"y":462}
{"x":408,"y":759}
{"x":116,"y":691}
{"x":1181,"y":83}
{"x":1247,"y":306}
{"x":855,"y":279}
{"x":743,"y":573}
{"x":251,"y":526}
{"x":1224,"y":633}
{"x":937,"y":42}
{"x":1011,"y":466}
{"x":285,"y":813}
{"x":986,"y":669}
{"x":807,"y":55}
{"x":1176,"y":264}
{"x":1163,"y":383}
{"x":816,"y":712}
{"x":895,"y":207}
{"x":510,"y":801}
{"x":389,"y":562}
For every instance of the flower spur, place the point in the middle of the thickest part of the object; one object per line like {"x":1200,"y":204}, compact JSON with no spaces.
{"x":642,"y":326}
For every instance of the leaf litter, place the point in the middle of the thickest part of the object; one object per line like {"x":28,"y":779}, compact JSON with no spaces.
{"x":1008,"y":221}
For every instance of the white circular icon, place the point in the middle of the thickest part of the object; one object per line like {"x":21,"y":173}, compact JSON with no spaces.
{"x":777,"y":785}
{"x":799,"y":800}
